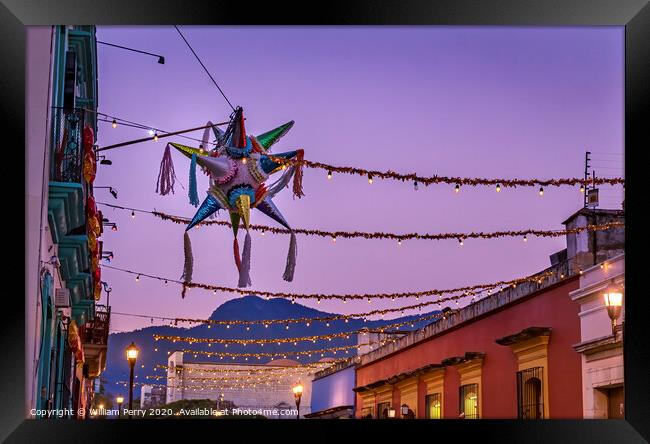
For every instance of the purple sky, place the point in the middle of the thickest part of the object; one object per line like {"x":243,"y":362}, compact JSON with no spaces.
{"x":461,"y":101}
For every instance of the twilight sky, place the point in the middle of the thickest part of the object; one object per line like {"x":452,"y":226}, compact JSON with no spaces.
{"x":461,"y":101}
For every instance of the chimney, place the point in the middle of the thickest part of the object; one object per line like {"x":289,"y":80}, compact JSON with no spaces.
{"x":588,"y":248}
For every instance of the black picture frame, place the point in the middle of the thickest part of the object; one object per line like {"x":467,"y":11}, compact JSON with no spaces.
{"x":634,"y":15}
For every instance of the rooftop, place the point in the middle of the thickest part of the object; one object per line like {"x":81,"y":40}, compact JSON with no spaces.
{"x":557,"y":273}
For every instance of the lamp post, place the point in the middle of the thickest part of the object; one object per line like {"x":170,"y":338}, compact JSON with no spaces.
{"x":120,"y":401}
{"x":297,"y":394}
{"x":131,"y":356}
{"x":613,"y":303}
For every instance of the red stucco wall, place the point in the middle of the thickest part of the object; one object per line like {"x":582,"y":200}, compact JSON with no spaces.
{"x":550,"y":307}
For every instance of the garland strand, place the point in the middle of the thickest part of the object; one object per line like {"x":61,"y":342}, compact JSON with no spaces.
{"x":284,"y":369}
{"x":381,"y":235}
{"x":513,"y":183}
{"x":305,"y":320}
{"x":346,"y":335}
{"x":539,"y":277}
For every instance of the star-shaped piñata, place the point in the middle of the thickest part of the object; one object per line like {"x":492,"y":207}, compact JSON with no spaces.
{"x":238,"y":167}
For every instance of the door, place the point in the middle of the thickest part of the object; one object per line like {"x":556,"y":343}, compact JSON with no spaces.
{"x":615,"y":403}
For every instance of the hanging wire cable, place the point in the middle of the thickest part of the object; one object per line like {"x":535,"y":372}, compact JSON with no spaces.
{"x":204,"y":68}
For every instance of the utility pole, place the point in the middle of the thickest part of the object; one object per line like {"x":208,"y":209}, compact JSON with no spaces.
{"x":587,"y":159}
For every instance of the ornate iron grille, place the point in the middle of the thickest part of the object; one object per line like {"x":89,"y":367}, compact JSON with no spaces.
{"x":530,"y":397}
{"x":67,"y":140}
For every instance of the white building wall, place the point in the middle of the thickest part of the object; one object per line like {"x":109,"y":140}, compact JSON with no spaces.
{"x":253,"y":396}
{"x":602,"y":366}
{"x":38,"y":105}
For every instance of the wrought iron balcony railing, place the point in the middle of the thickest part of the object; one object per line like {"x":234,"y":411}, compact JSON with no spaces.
{"x":97,"y":329}
{"x":67,"y":144}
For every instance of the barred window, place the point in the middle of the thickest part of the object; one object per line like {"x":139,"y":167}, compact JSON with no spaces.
{"x":530,"y":397}
{"x":382,"y":410}
{"x":434,"y":406}
{"x":468,"y":401}
{"x":367,"y":412}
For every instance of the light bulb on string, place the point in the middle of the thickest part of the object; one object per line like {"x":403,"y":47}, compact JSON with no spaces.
{"x":155,"y":137}
{"x":243,"y":160}
{"x":370,"y":179}
{"x":582,"y":188}
{"x":132,"y":214}
{"x":114,"y":124}
{"x":137,"y":278}
{"x":460,"y":242}
{"x":498,"y":188}
{"x":329,"y":175}
{"x":525,"y":238}
{"x":457,"y":189}
{"x":541,"y":191}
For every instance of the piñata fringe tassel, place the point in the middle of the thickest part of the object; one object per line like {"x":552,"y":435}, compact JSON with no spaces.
{"x":193,"y":193}
{"x":244,"y":271}
{"x":188,"y":266}
{"x":282,"y":182}
{"x":297,"y":177}
{"x":166,"y":175}
{"x":292,"y":255}
{"x":235,"y":250}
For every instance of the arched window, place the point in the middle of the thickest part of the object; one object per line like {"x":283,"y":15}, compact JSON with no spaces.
{"x":469,"y":401}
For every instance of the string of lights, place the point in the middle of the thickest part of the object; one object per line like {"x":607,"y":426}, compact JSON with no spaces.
{"x":539,"y":277}
{"x":250,"y":371}
{"x":201,"y":387}
{"x":258,"y":378}
{"x":381,"y":235}
{"x":306,"y":320}
{"x":294,"y":340}
{"x":116,"y":121}
{"x":457,"y":181}
{"x":498,"y":183}
{"x":284,"y":354}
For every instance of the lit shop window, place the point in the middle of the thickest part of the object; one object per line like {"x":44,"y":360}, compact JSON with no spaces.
{"x":434,"y":406}
{"x":469,"y":401}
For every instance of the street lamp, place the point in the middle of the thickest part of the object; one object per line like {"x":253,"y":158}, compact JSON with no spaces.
{"x":297,"y":394}
{"x":613,"y":303}
{"x":120,"y":401}
{"x":131,"y":356}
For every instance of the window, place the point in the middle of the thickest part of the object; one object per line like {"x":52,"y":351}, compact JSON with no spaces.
{"x":530,"y":396}
{"x":433,"y":406}
{"x":382,"y":410}
{"x":468,"y":401}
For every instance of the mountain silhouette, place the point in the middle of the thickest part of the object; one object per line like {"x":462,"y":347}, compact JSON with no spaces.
{"x":244,"y":308}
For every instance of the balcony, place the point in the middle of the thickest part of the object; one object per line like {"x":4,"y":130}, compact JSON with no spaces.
{"x":95,"y":340}
{"x":67,"y":145}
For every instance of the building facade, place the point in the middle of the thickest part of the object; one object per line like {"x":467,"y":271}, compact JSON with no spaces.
{"x":332,"y":391}
{"x":508,"y":355}
{"x":66,"y":329}
{"x":265,"y":387}
{"x":601,"y":341}
{"x":152,"y":396}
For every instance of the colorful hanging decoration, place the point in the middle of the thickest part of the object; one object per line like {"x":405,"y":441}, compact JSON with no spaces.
{"x":238,"y":167}
{"x":89,"y":161}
